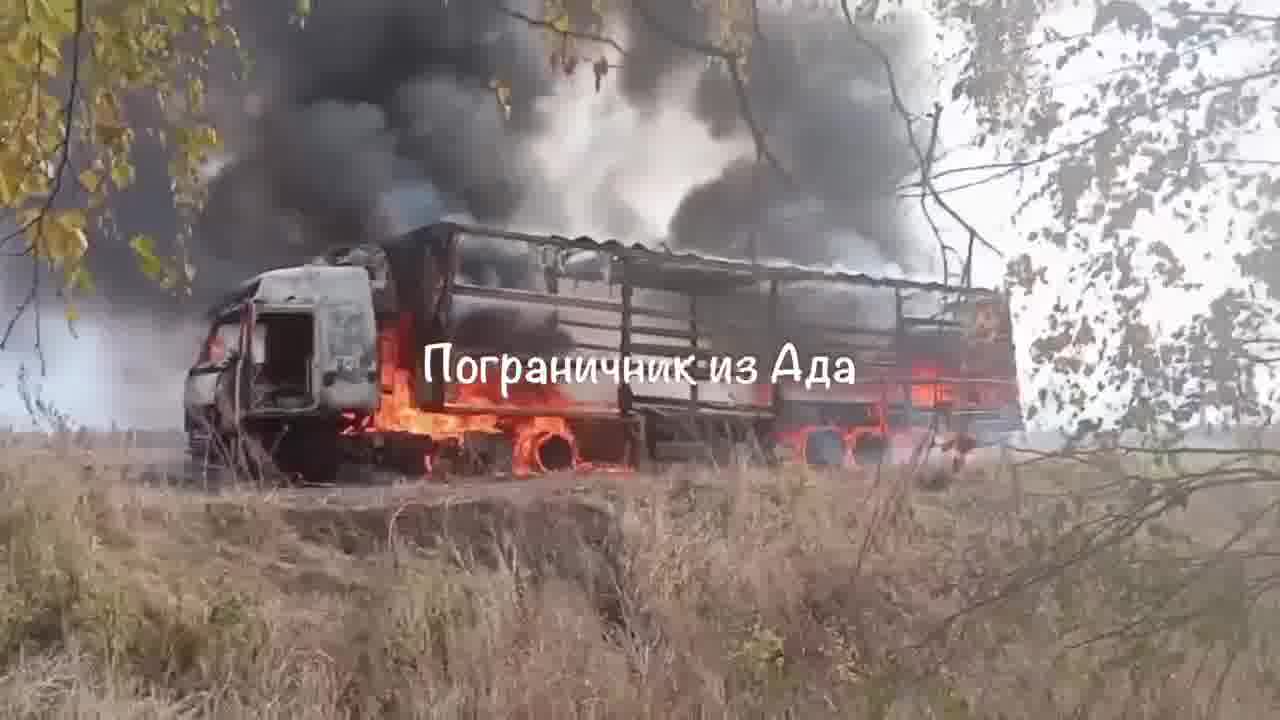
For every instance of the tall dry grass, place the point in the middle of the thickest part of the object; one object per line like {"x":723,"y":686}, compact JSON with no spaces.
{"x":1055,"y":591}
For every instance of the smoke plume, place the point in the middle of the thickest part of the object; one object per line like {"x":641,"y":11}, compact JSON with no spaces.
{"x":395,"y":98}
{"x":375,"y":95}
{"x":822,"y":101}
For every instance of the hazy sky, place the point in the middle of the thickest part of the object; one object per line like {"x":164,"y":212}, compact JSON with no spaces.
{"x":129,"y":372}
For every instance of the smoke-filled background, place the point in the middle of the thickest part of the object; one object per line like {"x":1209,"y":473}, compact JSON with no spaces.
{"x":380,"y":115}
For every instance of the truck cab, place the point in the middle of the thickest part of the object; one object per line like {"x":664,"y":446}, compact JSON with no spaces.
{"x":287,"y":354}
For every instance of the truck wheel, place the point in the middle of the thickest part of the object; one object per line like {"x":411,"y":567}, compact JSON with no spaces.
{"x":824,"y":448}
{"x":870,"y":450}
{"x":307,"y":452}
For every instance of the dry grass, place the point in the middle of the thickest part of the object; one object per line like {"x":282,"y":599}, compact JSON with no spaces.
{"x":730,"y":595}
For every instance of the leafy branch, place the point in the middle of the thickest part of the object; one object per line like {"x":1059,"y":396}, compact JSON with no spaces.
{"x":37,"y":221}
{"x":1114,"y":121}
{"x":76,"y":67}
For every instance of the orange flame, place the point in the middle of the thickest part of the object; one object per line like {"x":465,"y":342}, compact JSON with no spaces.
{"x":933,"y":394}
{"x":398,"y":411}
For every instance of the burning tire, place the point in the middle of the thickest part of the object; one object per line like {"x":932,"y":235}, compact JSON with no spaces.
{"x":553,"y":452}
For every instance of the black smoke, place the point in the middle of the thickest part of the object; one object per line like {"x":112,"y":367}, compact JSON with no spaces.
{"x":373,"y":95}
{"x":823,"y":103}
{"x":367,"y":96}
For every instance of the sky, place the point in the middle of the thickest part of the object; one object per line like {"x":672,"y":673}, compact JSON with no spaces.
{"x":121,"y":371}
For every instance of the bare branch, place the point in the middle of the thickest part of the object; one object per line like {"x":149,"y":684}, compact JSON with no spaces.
{"x":926,"y":179}
{"x":1117,"y":120}
{"x":735,"y":73}
{"x":550,"y":25}
{"x":1239,"y":161}
{"x":925,"y":168}
{"x":1220,"y":15}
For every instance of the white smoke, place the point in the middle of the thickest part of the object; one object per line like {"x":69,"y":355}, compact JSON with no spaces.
{"x":599,"y":148}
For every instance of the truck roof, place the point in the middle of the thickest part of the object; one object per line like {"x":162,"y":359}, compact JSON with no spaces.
{"x":667,"y":269}
{"x":664,"y":269}
{"x":303,"y":285}
{"x":588,"y":259}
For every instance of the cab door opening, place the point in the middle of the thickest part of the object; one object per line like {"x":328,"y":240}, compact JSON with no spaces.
{"x":283,"y":349}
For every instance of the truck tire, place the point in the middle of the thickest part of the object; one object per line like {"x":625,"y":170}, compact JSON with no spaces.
{"x":870,"y":451}
{"x":824,"y":447}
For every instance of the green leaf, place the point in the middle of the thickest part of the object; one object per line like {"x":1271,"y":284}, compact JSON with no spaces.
{"x":80,"y":279}
{"x":150,"y":263}
{"x":122,"y":173}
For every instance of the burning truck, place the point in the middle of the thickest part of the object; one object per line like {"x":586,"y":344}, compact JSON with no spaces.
{"x":337,"y":362}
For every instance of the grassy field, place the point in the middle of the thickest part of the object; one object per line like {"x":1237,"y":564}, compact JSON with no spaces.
{"x":1065,"y":588}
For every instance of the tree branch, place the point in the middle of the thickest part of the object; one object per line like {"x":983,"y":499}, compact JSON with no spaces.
{"x":32,"y":299}
{"x":739,"y":85}
{"x":1117,"y":120}
{"x":926,"y":165}
{"x":1221,"y":15}
{"x":64,"y":144}
{"x":550,"y":25}
{"x":926,"y":178}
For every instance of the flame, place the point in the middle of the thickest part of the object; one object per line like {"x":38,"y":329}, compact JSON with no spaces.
{"x":398,"y":411}
{"x":930,"y":395}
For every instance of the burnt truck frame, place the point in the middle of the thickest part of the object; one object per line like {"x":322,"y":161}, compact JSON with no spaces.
{"x":294,"y":359}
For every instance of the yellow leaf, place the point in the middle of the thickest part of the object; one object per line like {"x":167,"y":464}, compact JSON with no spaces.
{"x":27,"y":217}
{"x":90,"y":181}
{"x":144,"y":250}
{"x":58,"y":237}
{"x":11,"y":172}
{"x":72,"y":219}
{"x":108,"y":121}
{"x":206,"y":10}
{"x":122,"y":173}
{"x":58,"y":16}
{"x":561,"y":24}
{"x":73,"y":242}
{"x":24,"y":49}
{"x":79,"y":278}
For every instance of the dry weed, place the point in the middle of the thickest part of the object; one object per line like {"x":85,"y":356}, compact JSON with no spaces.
{"x":1053,"y":591}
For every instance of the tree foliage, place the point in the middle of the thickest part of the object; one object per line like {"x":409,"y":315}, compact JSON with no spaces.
{"x":70,"y":69}
{"x":1152,"y":143}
